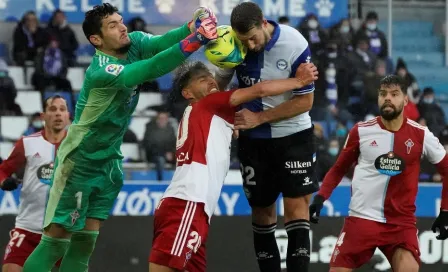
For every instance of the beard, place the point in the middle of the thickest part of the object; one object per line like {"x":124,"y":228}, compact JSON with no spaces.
{"x":266,"y":40}
{"x":391,"y":115}
{"x":124,"y":49}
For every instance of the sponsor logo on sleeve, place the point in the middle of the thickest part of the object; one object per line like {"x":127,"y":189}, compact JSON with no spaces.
{"x":114,"y":69}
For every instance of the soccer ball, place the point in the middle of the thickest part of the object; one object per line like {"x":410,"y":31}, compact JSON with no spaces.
{"x":226,"y":51}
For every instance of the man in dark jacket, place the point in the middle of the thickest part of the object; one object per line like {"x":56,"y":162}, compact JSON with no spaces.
{"x":61,"y":31}
{"x":377,"y":38}
{"x":431,"y":112}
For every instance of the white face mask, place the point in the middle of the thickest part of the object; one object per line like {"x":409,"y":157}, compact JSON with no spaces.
{"x":312,"y":24}
{"x":38,"y":124}
{"x":371,"y":26}
{"x":345,"y":29}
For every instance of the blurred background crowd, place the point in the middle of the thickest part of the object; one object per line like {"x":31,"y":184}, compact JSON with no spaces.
{"x":48,"y":55}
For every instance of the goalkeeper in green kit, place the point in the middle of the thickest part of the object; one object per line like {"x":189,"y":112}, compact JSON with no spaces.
{"x":88,"y":174}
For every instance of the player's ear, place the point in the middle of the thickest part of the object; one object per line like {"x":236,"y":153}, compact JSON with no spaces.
{"x":96,"y":40}
{"x":186,"y":93}
{"x":406,"y":99}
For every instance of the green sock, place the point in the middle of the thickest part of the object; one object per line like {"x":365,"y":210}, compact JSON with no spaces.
{"x":77,"y":257}
{"x":46,"y":254}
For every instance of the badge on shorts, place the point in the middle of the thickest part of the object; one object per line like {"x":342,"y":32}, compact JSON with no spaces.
{"x":45,"y":172}
{"x":390,"y":164}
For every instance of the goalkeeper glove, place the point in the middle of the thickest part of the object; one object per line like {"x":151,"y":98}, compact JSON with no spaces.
{"x":199,"y":15}
{"x":316,"y":207}
{"x":10,"y":184}
{"x":205,"y":32}
{"x":441,"y":225}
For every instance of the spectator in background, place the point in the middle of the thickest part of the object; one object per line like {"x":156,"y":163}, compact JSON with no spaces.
{"x":371,"y":86}
{"x":361,"y":61}
{"x":413,"y":91}
{"x":137,"y":24}
{"x":159,"y":142}
{"x":327,"y":159}
{"x":320,"y":138}
{"x":51,"y":69}
{"x":431,"y":112}
{"x":376,"y":38}
{"x":341,"y":133}
{"x":36,"y":124}
{"x":343,"y":34}
{"x":28,"y":39}
{"x":8,"y":93}
{"x":314,"y":34}
{"x":130,"y":137}
{"x":61,"y":31}
{"x":283,"y":20}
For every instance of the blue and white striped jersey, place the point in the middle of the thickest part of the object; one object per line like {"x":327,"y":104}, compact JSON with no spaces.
{"x":280,"y":59}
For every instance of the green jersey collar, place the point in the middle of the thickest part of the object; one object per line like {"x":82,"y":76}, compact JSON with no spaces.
{"x":101,"y":53}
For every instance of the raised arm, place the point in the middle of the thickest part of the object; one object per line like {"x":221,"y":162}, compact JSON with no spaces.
{"x":305,"y":74}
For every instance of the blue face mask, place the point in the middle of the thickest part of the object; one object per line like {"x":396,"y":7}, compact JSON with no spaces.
{"x":341,"y":132}
{"x":333,"y":151}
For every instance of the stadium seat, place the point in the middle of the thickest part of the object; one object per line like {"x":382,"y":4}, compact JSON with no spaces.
{"x":18,"y":75}
{"x":5,"y":149}
{"x":29,"y":101}
{"x":76,"y":77}
{"x":147,"y":100}
{"x":130,"y":151}
{"x":138,"y":126}
{"x":76,"y":97}
{"x":4,"y":52}
{"x":12,"y":127}
{"x":66,"y":95}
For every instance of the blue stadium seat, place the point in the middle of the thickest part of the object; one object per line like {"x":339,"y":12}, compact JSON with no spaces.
{"x":4,"y":52}
{"x":45,"y":18}
{"x":11,"y":19}
{"x":165,"y":82}
{"x":143,"y":175}
{"x":66,"y":95}
{"x":76,"y":97}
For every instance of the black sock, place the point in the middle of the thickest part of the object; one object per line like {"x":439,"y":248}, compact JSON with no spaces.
{"x":298,"y":255}
{"x":266,"y":248}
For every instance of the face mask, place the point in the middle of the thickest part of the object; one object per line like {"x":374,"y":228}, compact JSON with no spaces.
{"x":428,"y":100}
{"x":340,"y":132}
{"x":312,"y":24}
{"x":37,"y":124}
{"x":333,"y":151}
{"x":345,"y":29}
{"x":332,"y":55}
{"x":371,"y":26}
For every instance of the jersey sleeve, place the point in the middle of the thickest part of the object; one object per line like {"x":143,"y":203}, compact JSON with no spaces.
{"x":219,"y":104}
{"x":302,"y":54}
{"x":14,"y":162}
{"x":349,"y":155}
{"x":127,"y":76}
{"x":150,"y":45}
{"x":432,"y":149}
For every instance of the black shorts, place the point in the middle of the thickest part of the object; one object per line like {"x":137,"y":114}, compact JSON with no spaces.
{"x":279,"y":165}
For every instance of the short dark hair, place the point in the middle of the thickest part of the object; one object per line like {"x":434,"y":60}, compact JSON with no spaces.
{"x":185,"y":73}
{"x":51,"y":98}
{"x":246,"y":16}
{"x":94,"y":17}
{"x":283,"y":19}
{"x":392,"y":80}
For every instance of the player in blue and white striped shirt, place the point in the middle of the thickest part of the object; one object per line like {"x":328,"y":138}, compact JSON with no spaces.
{"x":276,"y":147}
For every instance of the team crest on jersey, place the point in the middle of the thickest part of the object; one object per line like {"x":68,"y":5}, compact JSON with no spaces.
{"x":409,"y":144}
{"x":45,"y":172}
{"x":114,"y":69}
{"x":282,"y":64}
{"x":389,"y":164}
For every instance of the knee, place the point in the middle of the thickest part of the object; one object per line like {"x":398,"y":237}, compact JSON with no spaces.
{"x":57,"y":231}
{"x":297,"y":208}
{"x":265,"y":215}
{"x":404,"y":261}
{"x":93,"y":224}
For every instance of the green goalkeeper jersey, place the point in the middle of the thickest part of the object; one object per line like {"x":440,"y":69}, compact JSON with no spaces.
{"x":110,"y":94}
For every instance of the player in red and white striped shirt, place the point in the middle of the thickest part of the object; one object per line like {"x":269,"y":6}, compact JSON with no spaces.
{"x":387,"y":152}
{"x":36,"y":153}
{"x":181,"y":219}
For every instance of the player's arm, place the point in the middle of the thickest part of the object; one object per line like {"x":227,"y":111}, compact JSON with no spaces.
{"x":164,"y":62}
{"x":436,"y":154}
{"x":223,"y":77}
{"x":154,"y":44}
{"x":348,"y":156}
{"x":301,"y":102}
{"x":14,"y":162}
{"x":151,"y":45}
{"x":306,"y":74}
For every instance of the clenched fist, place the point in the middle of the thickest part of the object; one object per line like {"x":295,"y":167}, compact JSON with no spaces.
{"x":307,"y":73}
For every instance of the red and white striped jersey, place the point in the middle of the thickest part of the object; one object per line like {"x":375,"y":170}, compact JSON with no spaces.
{"x":203,"y":151}
{"x":386,"y":176}
{"x":36,"y":155}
